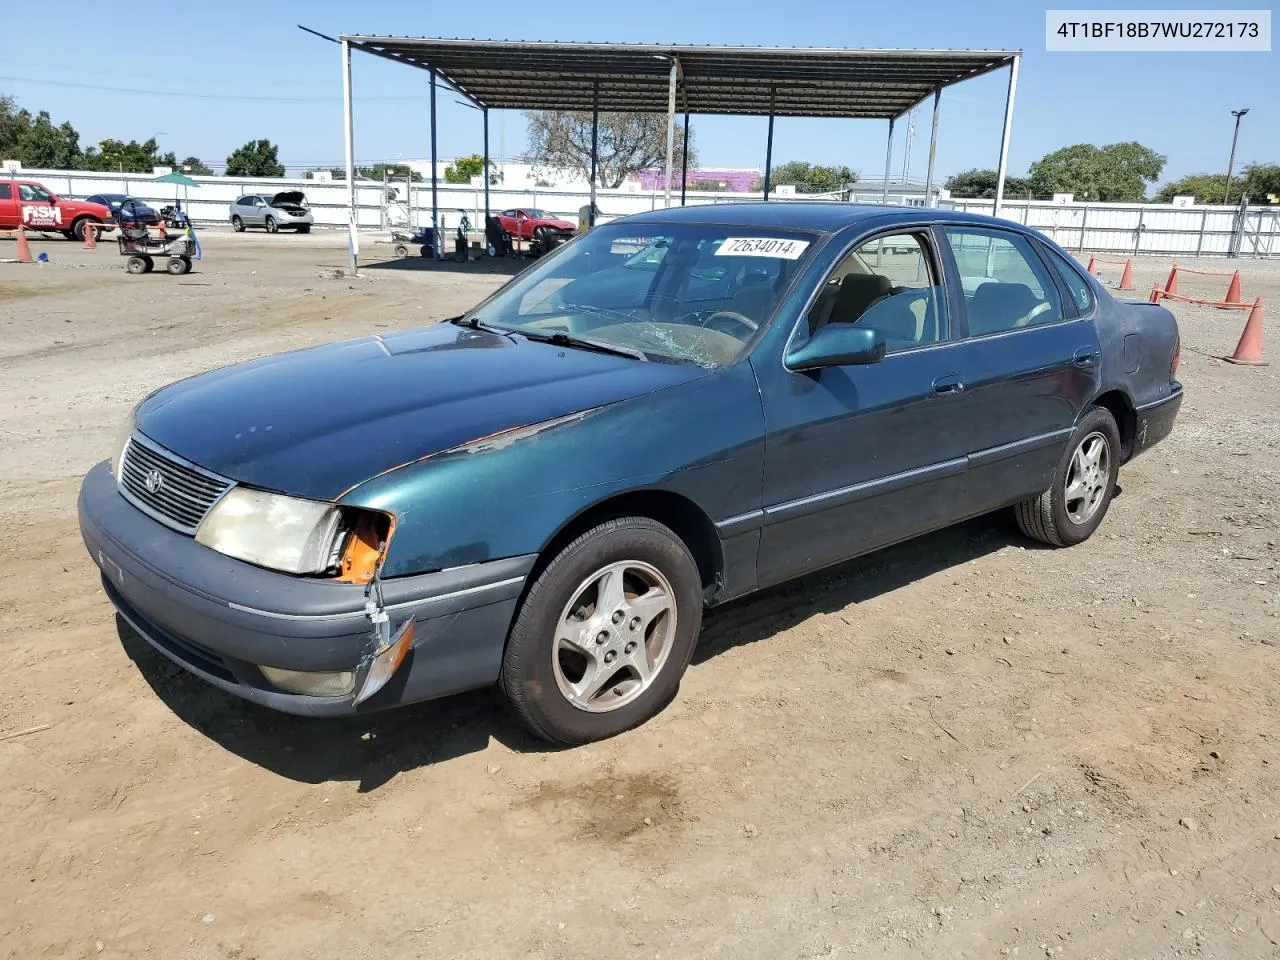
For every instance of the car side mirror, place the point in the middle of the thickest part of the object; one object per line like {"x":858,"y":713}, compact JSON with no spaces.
{"x":838,"y":345}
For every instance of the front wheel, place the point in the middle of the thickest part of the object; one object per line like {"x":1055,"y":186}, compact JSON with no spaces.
{"x":78,"y":228}
{"x":1077,"y":500}
{"x":605,"y":633}
{"x":136,"y":265}
{"x":237,"y":225}
{"x":270,"y":224}
{"x":304,"y":228}
{"x":177,"y":266}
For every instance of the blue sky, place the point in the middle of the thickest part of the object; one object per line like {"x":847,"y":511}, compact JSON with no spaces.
{"x":240,"y":70}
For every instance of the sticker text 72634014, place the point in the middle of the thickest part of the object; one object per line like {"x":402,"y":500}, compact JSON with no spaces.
{"x":777,"y":247}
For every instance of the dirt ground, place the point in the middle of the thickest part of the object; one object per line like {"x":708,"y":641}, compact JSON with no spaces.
{"x":966,"y":746}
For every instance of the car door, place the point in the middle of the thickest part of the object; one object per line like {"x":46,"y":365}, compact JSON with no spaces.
{"x":9,"y":218}
{"x":857,"y":457}
{"x":1031,"y":362}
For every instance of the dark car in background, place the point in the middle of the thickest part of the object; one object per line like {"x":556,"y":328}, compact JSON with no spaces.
{"x":126,"y":209}
{"x":674,"y":410}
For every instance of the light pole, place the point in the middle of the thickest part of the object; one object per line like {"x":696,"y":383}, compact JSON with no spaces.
{"x":1226,"y":189}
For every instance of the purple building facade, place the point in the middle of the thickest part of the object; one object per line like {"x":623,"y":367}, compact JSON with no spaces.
{"x":735,"y":181}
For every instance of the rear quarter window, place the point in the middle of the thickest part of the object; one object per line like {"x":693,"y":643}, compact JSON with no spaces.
{"x":1075,"y":283}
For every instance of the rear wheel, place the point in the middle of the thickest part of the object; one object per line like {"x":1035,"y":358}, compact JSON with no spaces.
{"x":177,"y":266}
{"x":401,"y":251}
{"x":605,"y":633}
{"x":136,"y":265}
{"x":237,"y":225}
{"x":1077,"y":500}
{"x":270,"y":224}
{"x":304,"y":228}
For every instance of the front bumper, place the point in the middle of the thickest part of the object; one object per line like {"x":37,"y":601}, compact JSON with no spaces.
{"x":219,"y":618}
{"x":287,"y":219}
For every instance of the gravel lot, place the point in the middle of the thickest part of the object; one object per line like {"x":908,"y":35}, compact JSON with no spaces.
{"x":965,"y":746}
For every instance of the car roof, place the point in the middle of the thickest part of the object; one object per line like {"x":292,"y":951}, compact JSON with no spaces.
{"x":826,"y":217}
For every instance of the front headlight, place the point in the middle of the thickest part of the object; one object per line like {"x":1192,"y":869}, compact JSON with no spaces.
{"x":121,"y":441}
{"x":283,"y":533}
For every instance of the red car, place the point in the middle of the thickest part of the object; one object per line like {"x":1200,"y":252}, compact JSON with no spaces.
{"x":28,"y":204}
{"x":528,"y":223}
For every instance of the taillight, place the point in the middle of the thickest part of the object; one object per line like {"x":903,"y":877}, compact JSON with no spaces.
{"x":1177,"y":354}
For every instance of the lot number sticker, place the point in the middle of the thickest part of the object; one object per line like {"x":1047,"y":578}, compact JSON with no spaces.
{"x":762,"y":247}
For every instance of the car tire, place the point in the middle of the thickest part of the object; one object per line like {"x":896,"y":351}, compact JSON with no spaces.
{"x":557,"y":648}
{"x":237,"y":225}
{"x":304,"y":228}
{"x":1083,"y":484}
{"x":77,"y":229}
{"x":271,"y":225}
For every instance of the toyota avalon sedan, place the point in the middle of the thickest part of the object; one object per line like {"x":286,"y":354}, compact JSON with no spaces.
{"x":671,"y":411}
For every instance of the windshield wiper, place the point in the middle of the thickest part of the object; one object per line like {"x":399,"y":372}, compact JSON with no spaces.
{"x":475,"y":324}
{"x":568,"y":340}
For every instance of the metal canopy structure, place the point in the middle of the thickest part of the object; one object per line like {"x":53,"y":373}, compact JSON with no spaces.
{"x":633,"y":78}
{"x":650,"y":78}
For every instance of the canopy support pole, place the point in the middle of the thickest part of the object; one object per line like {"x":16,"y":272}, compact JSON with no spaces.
{"x":684,"y":156}
{"x":485,"y":173}
{"x":888,"y":159}
{"x":671,"y":125}
{"x":933,"y":147}
{"x":1004,"y":136}
{"x":595,"y":148}
{"x":349,"y":146}
{"x":768,"y":146}
{"x":437,"y":238}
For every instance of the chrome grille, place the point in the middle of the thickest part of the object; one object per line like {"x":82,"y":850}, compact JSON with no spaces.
{"x":172,"y":490}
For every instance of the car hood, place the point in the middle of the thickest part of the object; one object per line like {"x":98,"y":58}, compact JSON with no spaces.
{"x":296,"y":197}
{"x":558,"y":224}
{"x":316,"y":422}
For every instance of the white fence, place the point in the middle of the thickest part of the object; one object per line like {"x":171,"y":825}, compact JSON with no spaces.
{"x":1154,"y":228}
{"x":1122,"y":228}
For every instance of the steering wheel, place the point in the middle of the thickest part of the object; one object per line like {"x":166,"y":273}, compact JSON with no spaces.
{"x":733,"y":317}
{"x":1034,"y":312}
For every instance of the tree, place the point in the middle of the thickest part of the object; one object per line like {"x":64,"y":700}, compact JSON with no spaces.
{"x":1205,"y":187}
{"x":14,"y":123}
{"x":628,"y":143}
{"x":981,"y":184}
{"x":257,"y":158}
{"x":1261,"y":179}
{"x":464,"y":168}
{"x":1116,"y":172}
{"x":393,"y":171}
{"x":196,"y":167}
{"x":812,"y":178}
{"x":131,"y":157}
{"x":48,"y":147}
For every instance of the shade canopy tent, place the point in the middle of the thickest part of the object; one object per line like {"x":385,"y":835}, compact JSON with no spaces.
{"x":653,"y":78}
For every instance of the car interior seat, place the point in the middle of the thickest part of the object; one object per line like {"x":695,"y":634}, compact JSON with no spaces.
{"x":857,"y":293}
{"x":754,"y":297}
{"x":999,"y":306}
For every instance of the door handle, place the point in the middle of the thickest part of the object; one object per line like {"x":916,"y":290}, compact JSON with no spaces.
{"x":950,"y":384}
{"x":1084,"y":357}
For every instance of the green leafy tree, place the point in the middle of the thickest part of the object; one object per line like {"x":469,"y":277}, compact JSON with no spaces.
{"x":14,"y":124}
{"x":257,"y":158}
{"x":1117,"y":172}
{"x":464,"y":168}
{"x":628,"y":143}
{"x":131,"y":157}
{"x":981,"y":184}
{"x":1261,"y":179}
{"x":1205,"y":187}
{"x":813,"y":178}
{"x":45,"y":146}
{"x":195,"y":167}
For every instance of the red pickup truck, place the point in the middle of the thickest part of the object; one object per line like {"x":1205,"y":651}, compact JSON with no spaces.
{"x":28,"y":204}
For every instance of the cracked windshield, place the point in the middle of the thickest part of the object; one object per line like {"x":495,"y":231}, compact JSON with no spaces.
{"x":665,"y":293}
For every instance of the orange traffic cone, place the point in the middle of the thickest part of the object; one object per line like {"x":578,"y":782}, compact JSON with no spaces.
{"x":1249,"y":349}
{"x":90,"y":236}
{"x":1171,"y":285}
{"x":1126,"y":278}
{"x":1089,"y":268}
{"x":1233,"y":289}
{"x":1155,"y":293}
{"x":24,"y":249}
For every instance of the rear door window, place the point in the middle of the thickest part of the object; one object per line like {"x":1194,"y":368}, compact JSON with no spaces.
{"x":1076,"y":285}
{"x":1006,"y":286}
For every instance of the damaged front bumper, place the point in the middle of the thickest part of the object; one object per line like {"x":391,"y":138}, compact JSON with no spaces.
{"x":224,"y":620}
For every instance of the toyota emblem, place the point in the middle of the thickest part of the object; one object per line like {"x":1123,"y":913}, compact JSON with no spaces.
{"x":154,"y":481}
